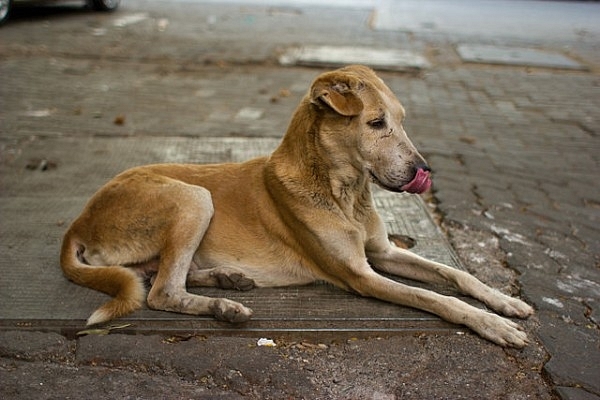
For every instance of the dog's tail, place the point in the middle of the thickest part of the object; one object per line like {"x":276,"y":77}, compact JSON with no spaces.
{"x":122,"y":283}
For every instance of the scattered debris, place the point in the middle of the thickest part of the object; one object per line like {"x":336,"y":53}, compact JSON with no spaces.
{"x":129,"y":19}
{"x":180,"y":338}
{"x":310,"y":346}
{"x":99,"y":31}
{"x":468,"y":139}
{"x":38,"y":113}
{"x":102,"y":331}
{"x":282,"y":94}
{"x":266,"y":342}
{"x":40,"y":164}
{"x":119,"y":120}
{"x":554,"y":302}
{"x":510,"y":236}
{"x":162,"y":24}
{"x":249,"y":113}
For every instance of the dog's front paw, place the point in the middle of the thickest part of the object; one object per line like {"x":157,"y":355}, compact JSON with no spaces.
{"x":230,"y":311}
{"x":512,"y":307}
{"x":500,"y":330}
{"x":518,"y":308}
{"x":507,"y":305}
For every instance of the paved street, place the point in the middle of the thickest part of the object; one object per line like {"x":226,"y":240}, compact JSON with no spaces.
{"x":514,"y":150}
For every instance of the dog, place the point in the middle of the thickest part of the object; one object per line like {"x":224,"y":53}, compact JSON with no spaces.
{"x":305,"y":213}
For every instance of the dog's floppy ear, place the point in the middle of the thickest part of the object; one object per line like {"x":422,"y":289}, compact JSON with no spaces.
{"x":338,"y":92}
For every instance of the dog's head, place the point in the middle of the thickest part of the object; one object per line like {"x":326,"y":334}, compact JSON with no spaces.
{"x":361,"y":115}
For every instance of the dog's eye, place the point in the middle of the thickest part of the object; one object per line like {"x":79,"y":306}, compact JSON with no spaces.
{"x":378,"y":123}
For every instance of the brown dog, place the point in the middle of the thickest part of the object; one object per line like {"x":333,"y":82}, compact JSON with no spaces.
{"x":303,"y":214}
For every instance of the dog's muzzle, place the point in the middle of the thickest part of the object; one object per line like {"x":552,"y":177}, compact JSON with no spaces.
{"x":420,"y":183}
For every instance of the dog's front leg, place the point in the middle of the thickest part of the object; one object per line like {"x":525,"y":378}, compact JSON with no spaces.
{"x":490,"y":326}
{"x":352,"y":271}
{"x":406,"y":264}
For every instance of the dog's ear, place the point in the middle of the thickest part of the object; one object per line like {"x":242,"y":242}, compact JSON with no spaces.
{"x":338,"y":93}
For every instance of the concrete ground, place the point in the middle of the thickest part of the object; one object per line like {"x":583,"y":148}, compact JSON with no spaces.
{"x":515,"y":153}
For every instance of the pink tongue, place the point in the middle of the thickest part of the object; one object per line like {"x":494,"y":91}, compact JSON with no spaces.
{"x":420,"y":183}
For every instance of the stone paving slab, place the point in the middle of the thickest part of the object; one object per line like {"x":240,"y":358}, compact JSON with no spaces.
{"x":37,"y":205}
{"x":339,"y":56}
{"x":485,"y":54}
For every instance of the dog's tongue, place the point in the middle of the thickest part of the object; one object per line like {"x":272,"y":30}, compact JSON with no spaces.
{"x":420,"y":183}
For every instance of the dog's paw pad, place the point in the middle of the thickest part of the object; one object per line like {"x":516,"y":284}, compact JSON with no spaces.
{"x":235,"y":281}
{"x":230,"y":311}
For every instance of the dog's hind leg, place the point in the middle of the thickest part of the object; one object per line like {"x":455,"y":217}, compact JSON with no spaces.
{"x":182,"y":238}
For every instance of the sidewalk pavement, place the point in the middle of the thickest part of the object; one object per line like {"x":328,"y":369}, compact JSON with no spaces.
{"x":515,"y":154}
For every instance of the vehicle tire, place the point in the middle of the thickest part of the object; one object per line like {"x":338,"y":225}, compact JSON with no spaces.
{"x":103,"y":5}
{"x":5,"y":6}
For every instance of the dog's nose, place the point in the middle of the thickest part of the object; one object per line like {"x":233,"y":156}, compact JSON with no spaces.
{"x":422,"y":165}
